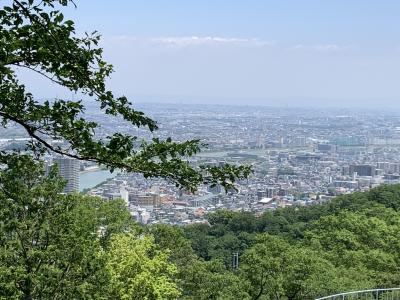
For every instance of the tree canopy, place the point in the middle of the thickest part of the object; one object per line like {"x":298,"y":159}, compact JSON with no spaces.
{"x":57,"y":246}
{"x":35,"y":36}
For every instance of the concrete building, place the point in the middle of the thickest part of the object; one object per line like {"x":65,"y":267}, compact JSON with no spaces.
{"x":68,"y":169}
{"x":145,"y":199}
{"x":362,"y":170}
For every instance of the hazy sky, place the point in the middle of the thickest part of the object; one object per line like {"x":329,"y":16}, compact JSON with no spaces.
{"x":333,"y":52}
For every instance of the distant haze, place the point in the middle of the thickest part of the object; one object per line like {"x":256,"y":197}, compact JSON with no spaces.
{"x":322,"y":53}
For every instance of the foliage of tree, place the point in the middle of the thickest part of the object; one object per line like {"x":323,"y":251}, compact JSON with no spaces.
{"x":205,"y":280}
{"x":350,"y":242}
{"x":48,"y":240}
{"x":138,"y":270}
{"x":35,"y":36}
{"x":56,"y":246}
{"x":278,"y":270}
{"x":172,"y":239}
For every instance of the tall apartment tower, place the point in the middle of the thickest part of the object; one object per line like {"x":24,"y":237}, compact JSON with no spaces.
{"x":362,"y":170}
{"x":68,"y":169}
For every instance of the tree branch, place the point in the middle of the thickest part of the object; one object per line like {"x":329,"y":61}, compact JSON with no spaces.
{"x":31,"y":133}
{"x":38,"y":72}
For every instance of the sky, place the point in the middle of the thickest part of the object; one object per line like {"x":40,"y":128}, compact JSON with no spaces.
{"x":282,"y":52}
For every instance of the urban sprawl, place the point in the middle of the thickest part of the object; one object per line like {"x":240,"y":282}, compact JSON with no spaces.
{"x":299,"y":157}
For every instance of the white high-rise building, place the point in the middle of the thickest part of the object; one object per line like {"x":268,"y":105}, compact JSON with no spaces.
{"x":68,"y":169}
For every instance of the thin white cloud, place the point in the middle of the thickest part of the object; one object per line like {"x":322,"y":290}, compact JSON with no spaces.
{"x":321,"y":47}
{"x":298,"y":46}
{"x":191,"y":41}
{"x":199,"y":41}
{"x":188,"y":41}
{"x":329,"y":47}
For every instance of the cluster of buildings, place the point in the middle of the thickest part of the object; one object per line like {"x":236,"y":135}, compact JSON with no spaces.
{"x":299,"y":157}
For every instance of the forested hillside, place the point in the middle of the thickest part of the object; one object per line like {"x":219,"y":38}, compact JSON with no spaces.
{"x":57,"y":246}
{"x":349,"y":243}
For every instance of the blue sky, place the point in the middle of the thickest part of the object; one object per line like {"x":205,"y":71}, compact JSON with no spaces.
{"x":310,"y":52}
{"x":294,"y":21}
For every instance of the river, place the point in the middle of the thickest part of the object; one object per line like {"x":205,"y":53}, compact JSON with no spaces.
{"x":90,"y":179}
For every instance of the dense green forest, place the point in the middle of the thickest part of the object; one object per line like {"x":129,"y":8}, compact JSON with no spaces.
{"x":57,"y":246}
